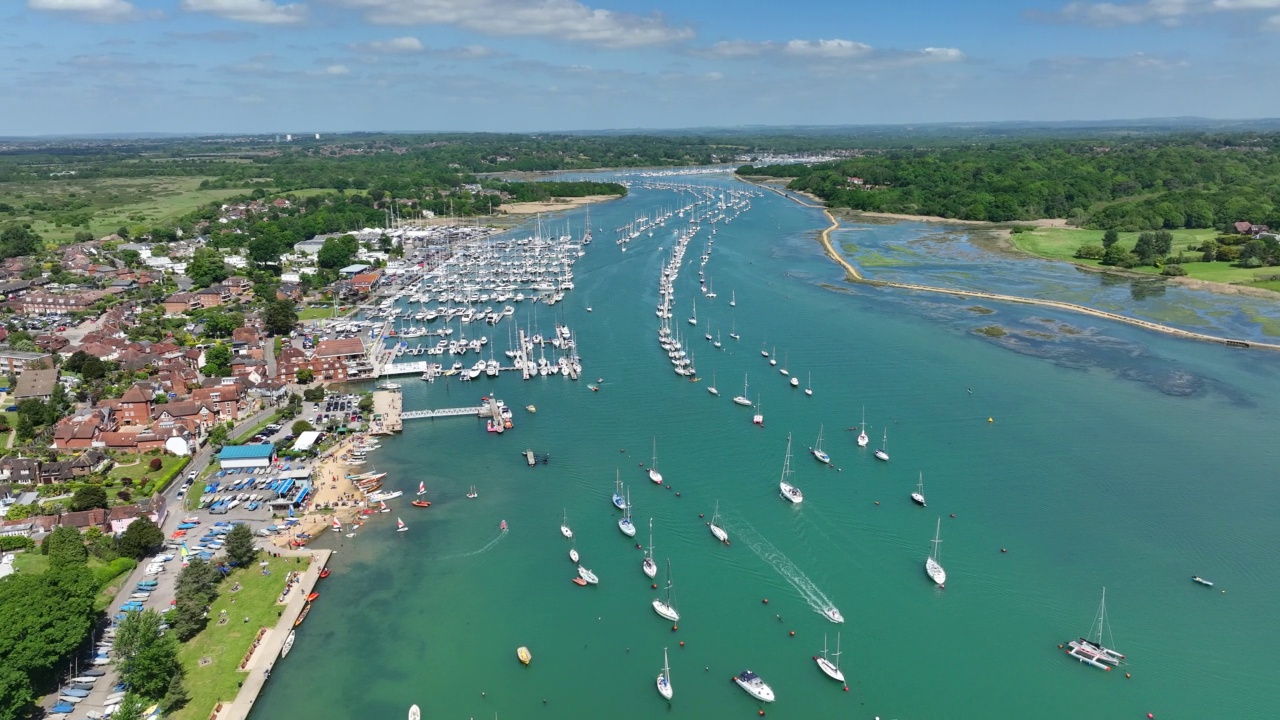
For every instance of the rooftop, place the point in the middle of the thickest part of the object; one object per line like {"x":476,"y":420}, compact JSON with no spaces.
{"x":246,"y":452}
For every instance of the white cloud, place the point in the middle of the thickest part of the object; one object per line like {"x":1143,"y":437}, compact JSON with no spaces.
{"x":393,"y":46}
{"x":1166,"y":12}
{"x":1272,"y":23}
{"x":715,"y":76}
{"x":337,"y":70}
{"x":1084,"y":66}
{"x":826,"y":48}
{"x":554,"y":19}
{"x":739,"y":48}
{"x":830,"y":52}
{"x":264,"y":12}
{"x":97,"y":10}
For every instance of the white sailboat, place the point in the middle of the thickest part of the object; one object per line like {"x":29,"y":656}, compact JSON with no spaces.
{"x":573,"y":554}
{"x":337,"y":526}
{"x":400,"y":526}
{"x":472,"y":494}
{"x":786,"y":489}
{"x":587,"y":575}
{"x":883,"y":452}
{"x":654,"y":475}
{"x":664,"y":679}
{"x":288,"y":643}
{"x":808,"y":389}
{"x":733,"y":330}
{"x":422,"y":488}
{"x":564,"y":524}
{"x":717,"y":342}
{"x":733,"y":298}
{"x":743,"y":399}
{"x":862,"y":434}
{"x":932,"y":566}
{"x":619,"y":501}
{"x":693,"y":319}
{"x":828,"y":668}
{"x":649,"y":567}
{"x":773,"y":357}
{"x":786,"y":358}
{"x":1091,"y":651}
{"x":818,"y":453}
{"x":383,"y":507}
{"x":714,"y":525}
{"x":624,"y":524}
{"x":666,"y":609}
{"x":917,"y":497}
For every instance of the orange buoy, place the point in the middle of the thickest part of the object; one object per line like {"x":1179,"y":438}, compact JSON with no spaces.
{"x":762,"y":713}
{"x":1004,"y":550}
{"x":766,"y":601}
{"x":681,"y":643}
{"x":655,"y":586}
{"x":793,"y":633}
{"x":953,"y":515}
{"x":701,"y":515}
{"x":1150,"y":716}
{"x":846,"y":688}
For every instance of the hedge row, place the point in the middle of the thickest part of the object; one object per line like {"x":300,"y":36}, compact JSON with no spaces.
{"x":10,"y":543}
{"x":112,"y":570}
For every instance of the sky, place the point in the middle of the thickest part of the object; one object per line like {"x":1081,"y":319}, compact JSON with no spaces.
{"x":264,"y":66}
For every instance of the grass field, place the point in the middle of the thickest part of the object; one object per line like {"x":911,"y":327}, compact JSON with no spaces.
{"x":33,"y":563}
{"x":1062,"y":243}
{"x":225,"y":646}
{"x":315,"y":313}
{"x":143,"y":467}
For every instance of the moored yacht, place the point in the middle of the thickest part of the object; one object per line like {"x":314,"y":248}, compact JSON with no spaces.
{"x":831,"y":670}
{"x":932,"y":566}
{"x":917,"y":497}
{"x":786,"y":489}
{"x":754,"y":686}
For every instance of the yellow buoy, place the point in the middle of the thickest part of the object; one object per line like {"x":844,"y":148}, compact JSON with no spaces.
{"x":990,"y":420}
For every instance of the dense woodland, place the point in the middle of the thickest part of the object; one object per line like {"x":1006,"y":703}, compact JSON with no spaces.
{"x":1128,"y":185}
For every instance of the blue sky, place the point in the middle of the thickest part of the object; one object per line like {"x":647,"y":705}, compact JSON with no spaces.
{"x":233,"y":66}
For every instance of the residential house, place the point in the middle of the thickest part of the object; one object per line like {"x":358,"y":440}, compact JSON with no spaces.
{"x":182,"y":302}
{"x":339,"y":359}
{"x":289,"y":291}
{"x":364,"y":283}
{"x":55,"y":472}
{"x":36,"y":383}
{"x":42,"y":303}
{"x":19,"y":470}
{"x":228,"y":401}
{"x":196,"y":417}
{"x":90,"y":461}
{"x":83,"y":429}
{"x":136,"y":406}
{"x":238,"y":285}
{"x":12,"y":362}
{"x":213,"y":296}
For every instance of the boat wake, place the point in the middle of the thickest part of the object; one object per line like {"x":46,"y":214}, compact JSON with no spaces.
{"x":766,"y":551}
{"x":487,"y":547}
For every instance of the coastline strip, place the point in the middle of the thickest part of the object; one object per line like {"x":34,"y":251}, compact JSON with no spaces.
{"x":853,"y":275}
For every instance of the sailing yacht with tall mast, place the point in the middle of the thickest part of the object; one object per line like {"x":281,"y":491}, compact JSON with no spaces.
{"x":743,"y":399}
{"x":808,"y":388}
{"x":917,"y":497}
{"x":564,"y":524}
{"x":715,"y":528}
{"x":786,"y":358}
{"x":627,"y":527}
{"x":666,"y":609}
{"x":664,"y":679}
{"x":712,"y":387}
{"x":649,"y":567}
{"x":883,"y":452}
{"x":733,"y":298}
{"x":862,"y":433}
{"x":1091,"y":651}
{"x":818,"y":453}
{"x":693,"y":319}
{"x":932,"y":566}
{"x":654,"y":475}
{"x":786,"y":489}
{"x":619,"y":500}
{"x":828,"y":668}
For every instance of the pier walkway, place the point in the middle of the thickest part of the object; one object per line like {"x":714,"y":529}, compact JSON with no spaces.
{"x":478,"y":411}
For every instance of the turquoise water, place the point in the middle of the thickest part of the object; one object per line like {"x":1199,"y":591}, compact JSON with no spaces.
{"x":1116,"y":457}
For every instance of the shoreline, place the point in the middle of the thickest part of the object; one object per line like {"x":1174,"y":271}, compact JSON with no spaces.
{"x":554,"y":204}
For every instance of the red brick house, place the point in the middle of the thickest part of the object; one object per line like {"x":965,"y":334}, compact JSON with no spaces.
{"x":135,"y":406}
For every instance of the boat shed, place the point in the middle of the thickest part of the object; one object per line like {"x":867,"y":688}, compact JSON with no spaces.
{"x":247,"y":456}
{"x":306,"y":441}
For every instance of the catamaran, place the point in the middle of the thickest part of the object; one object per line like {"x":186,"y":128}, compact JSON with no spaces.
{"x":917,"y":497}
{"x":400,"y":526}
{"x":624,"y":524}
{"x":817,"y":450}
{"x":831,"y":670}
{"x":883,"y":452}
{"x":862,"y":434}
{"x":654,"y":475}
{"x":758,"y":418}
{"x":786,"y":489}
{"x":754,"y":686}
{"x":564,"y":524}
{"x":619,"y":500}
{"x":666,"y":609}
{"x":743,"y":399}
{"x":664,"y":679}
{"x":649,"y":567}
{"x":932,"y":566}
{"x":472,"y":494}
{"x":714,"y":525}
{"x":1092,"y":652}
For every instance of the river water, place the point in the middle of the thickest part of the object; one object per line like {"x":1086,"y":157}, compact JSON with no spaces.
{"x":1095,"y":454}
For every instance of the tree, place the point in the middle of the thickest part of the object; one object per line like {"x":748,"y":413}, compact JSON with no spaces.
{"x":130,"y":708}
{"x":19,"y":240}
{"x":89,"y":497}
{"x":15,"y":693}
{"x":1109,"y":238}
{"x":207,"y":267}
{"x":176,"y":695}
{"x":140,"y":539}
{"x":196,"y":587}
{"x":1091,"y":252}
{"x":306,"y":375}
{"x":43,"y":618}
{"x":1117,"y":255}
{"x":280,"y":317}
{"x":146,"y":658}
{"x":366,"y":402}
{"x":217,"y":361}
{"x":221,"y":324}
{"x":131,"y":258}
{"x":240,"y":547}
{"x":337,"y":252}
{"x":65,"y":546}
{"x":218,"y":435}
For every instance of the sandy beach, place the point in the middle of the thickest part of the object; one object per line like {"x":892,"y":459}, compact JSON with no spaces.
{"x":569,"y":203}
{"x":332,"y":490}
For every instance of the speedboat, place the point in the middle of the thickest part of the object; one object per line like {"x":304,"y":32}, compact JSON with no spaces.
{"x":502,"y":525}
{"x":1202,"y":581}
{"x":754,"y":686}
{"x":833,"y":614}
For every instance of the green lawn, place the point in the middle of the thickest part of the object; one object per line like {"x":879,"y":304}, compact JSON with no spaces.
{"x":226,"y":645}
{"x":315,"y":313}
{"x":143,"y":467}
{"x":33,"y":563}
{"x":1062,"y":243}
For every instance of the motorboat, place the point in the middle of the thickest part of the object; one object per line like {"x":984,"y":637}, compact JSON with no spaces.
{"x":828,"y":668}
{"x":414,"y":713}
{"x":754,"y":686}
{"x":666,"y":609}
{"x":932,"y":566}
{"x":421,"y":503}
{"x":1202,"y":581}
{"x":502,"y":526}
{"x":523,"y":654}
{"x":832,"y":613}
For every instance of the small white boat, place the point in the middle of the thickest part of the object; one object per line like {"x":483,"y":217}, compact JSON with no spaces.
{"x":715,"y":528}
{"x":383,"y":507}
{"x":337,"y":526}
{"x":627,"y":527}
{"x":786,"y":489}
{"x":932,"y":566}
{"x":573,"y":555}
{"x":564,"y":524}
{"x":833,"y":614}
{"x":1202,"y":581}
{"x":712,"y":387}
{"x":666,"y":609}
{"x":654,"y":475}
{"x":664,"y":679}
{"x":917,"y":497}
{"x":587,"y":575}
{"x":808,"y":389}
{"x":400,"y":526}
{"x":828,"y":668}
{"x":472,"y":494}
{"x":414,"y":713}
{"x":817,"y":451}
{"x":288,"y":644}
{"x":883,"y":452}
{"x":862,"y":433}
{"x":649,"y":567}
{"x":743,"y":399}
{"x":754,"y":686}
